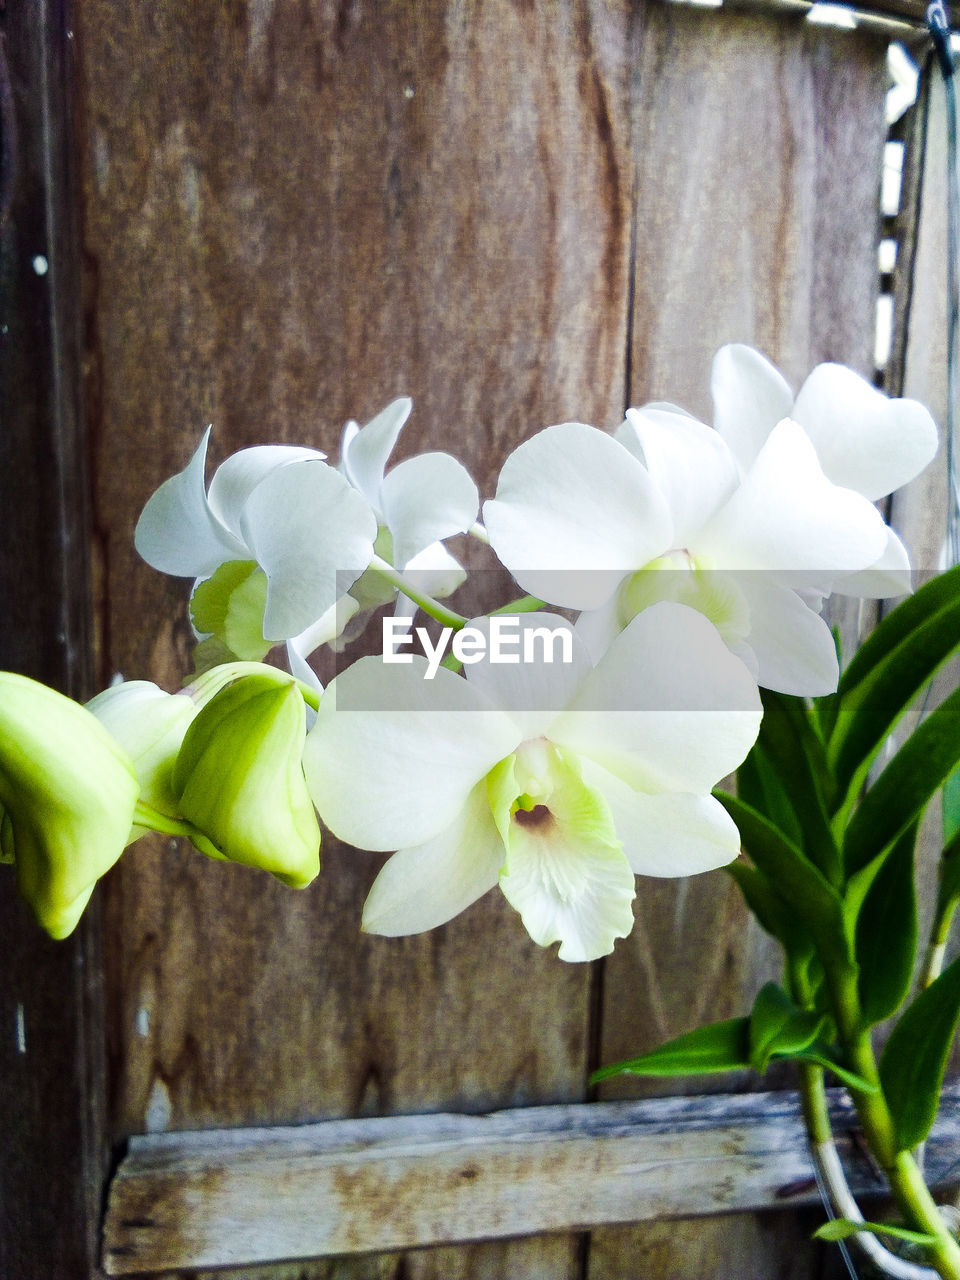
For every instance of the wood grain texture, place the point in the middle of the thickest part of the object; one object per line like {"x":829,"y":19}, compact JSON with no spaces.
{"x":189,"y":1200}
{"x":295,"y":212}
{"x":52,"y":1160}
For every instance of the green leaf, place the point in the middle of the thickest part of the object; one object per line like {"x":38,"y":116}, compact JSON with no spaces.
{"x":842,"y":1228}
{"x":822,"y":1055}
{"x":797,"y":756}
{"x":817,"y":904}
{"x":759,"y":785}
{"x":951,"y":809}
{"x":901,"y":793}
{"x":886,"y":933}
{"x":773,"y":913}
{"x":889,"y":634}
{"x":720,"y":1046}
{"x":779,"y":1028}
{"x":869,"y":711}
{"x":915,"y":1058}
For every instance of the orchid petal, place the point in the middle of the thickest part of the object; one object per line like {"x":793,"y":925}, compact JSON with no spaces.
{"x":393,"y":756}
{"x":428,"y":884}
{"x":178,"y":533}
{"x":794,"y":647}
{"x":574,"y":512}
{"x":668,"y":834}
{"x":599,"y":627}
{"x":885,"y":579}
{"x":310,"y":531}
{"x":236,"y":478}
{"x":865,"y":441}
{"x":326,"y":628}
{"x":365,"y":450}
{"x":433,"y":571}
{"x":149,"y":724}
{"x":667,"y":708}
{"x":690,"y":464}
{"x":565,"y":871}
{"x":787,"y":515}
{"x":425,"y":499}
{"x":533,"y":692}
{"x":750,"y":397}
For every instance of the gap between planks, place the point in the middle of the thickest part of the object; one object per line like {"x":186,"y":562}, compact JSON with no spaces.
{"x":247,"y":1196}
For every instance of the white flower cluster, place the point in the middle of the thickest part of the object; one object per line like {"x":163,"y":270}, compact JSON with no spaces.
{"x":695,"y":557}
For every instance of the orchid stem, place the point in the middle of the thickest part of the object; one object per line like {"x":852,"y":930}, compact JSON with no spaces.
{"x":446,"y":617}
{"x":939,"y":935}
{"x":525,"y":604}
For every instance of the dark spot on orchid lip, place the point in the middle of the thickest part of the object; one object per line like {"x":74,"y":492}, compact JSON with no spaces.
{"x":535,"y":817}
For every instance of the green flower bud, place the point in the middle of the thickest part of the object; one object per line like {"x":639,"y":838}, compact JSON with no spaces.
{"x":149,"y":724}
{"x":67,"y":791}
{"x":239,"y":779}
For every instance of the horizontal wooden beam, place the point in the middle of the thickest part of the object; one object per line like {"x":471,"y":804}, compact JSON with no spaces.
{"x":239,"y":1197}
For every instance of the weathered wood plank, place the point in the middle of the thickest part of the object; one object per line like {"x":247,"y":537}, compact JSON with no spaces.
{"x":52,"y":1159}
{"x":233,"y":1197}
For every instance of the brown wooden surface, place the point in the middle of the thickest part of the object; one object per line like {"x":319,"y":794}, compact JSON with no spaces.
{"x":292,"y":213}
{"x":52,"y":1163}
{"x":351,"y":1186}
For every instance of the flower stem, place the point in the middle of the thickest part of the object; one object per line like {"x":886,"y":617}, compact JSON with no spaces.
{"x":525,"y":604}
{"x":905,"y":1179}
{"x":446,"y":617}
{"x":939,"y":934}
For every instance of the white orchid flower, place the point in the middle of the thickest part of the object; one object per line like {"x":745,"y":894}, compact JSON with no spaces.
{"x":418,"y":503}
{"x":279,"y":507}
{"x":864,"y":440}
{"x":558,"y":781}
{"x":751,"y":536}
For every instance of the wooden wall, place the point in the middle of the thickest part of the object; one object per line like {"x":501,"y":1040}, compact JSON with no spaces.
{"x":294,"y":210}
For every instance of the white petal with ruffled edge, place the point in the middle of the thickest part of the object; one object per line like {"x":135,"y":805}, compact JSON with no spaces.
{"x":667,"y":835}
{"x":690,"y":464}
{"x":178,"y":533}
{"x":574,"y":512}
{"x":364,"y":450}
{"x":864,"y":440}
{"x":425,"y":499}
{"x":565,"y":871}
{"x":312,"y":535}
{"x":393,"y":757}
{"x":787,"y":515}
{"x":750,"y":397}
{"x":425,"y":886}
{"x":668,"y":707}
{"x":794,"y":647}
